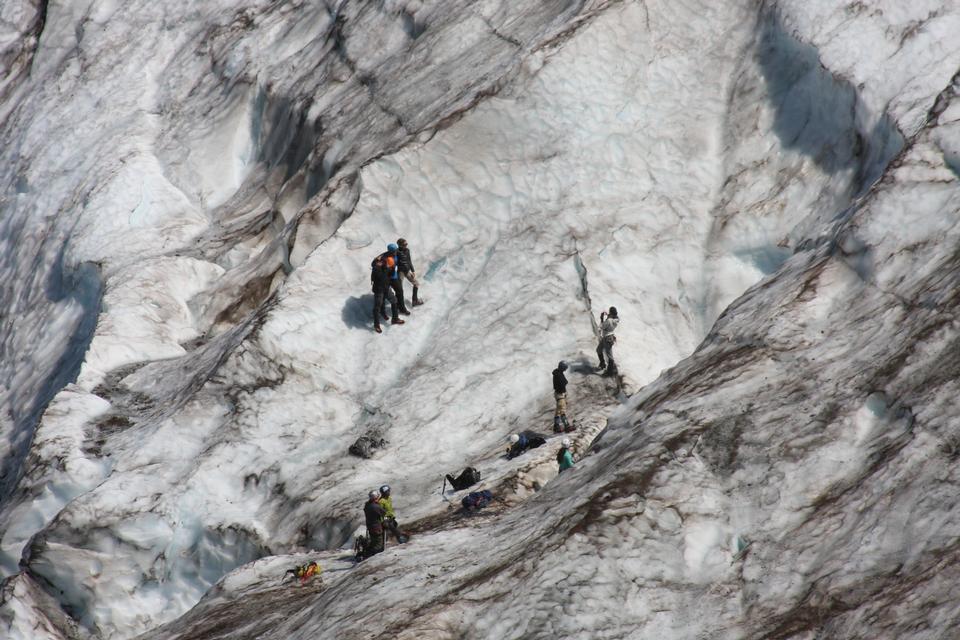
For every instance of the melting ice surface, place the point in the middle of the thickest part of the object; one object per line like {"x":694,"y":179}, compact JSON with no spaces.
{"x":766,"y":195}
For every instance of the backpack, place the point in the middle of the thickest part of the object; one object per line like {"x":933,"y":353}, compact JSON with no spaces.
{"x":476,"y":500}
{"x":361,"y":548}
{"x":467,"y":477}
{"x":364,"y":446}
{"x":305,"y":571}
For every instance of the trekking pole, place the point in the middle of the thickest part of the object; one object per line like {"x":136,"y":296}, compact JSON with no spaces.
{"x":444,"y":487}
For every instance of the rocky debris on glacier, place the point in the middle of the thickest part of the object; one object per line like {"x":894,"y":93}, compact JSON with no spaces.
{"x":773,"y":484}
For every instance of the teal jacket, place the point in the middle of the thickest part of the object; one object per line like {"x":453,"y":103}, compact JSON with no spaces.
{"x":565,"y":458}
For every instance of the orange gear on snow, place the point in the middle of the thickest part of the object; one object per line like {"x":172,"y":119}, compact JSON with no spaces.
{"x":307,"y":571}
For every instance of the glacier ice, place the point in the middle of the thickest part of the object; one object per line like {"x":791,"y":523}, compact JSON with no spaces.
{"x":766,"y":192}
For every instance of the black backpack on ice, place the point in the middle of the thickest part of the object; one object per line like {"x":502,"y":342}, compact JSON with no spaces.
{"x":468,"y":477}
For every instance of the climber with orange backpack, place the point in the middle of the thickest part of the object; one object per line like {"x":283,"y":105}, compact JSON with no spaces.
{"x":391,"y":258}
{"x":380,"y":277}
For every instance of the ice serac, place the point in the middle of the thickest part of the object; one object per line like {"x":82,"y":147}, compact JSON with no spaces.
{"x":770,"y":187}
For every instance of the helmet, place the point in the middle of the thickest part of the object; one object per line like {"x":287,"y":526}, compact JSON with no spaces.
{"x":565,"y":443}
{"x":374,"y":495}
{"x":562,"y":366}
{"x":514,"y":438}
{"x":385,"y":490}
{"x":613,"y":312}
{"x":392,"y":247}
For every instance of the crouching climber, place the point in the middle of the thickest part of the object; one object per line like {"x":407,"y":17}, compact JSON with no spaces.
{"x":565,"y":456}
{"x":389,"y":517}
{"x":521,"y":442}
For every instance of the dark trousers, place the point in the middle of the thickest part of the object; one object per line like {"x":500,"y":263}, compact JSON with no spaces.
{"x":605,"y":353}
{"x":378,"y":302}
{"x":397,"y":286}
{"x":376,"y":540}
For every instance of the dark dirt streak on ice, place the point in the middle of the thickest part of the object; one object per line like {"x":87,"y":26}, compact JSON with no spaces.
{"x":20,"y":63}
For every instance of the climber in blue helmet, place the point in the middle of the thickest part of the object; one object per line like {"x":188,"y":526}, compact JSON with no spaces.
{"x":391,"y":258}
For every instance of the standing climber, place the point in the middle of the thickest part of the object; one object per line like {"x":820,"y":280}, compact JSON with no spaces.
{"x":380,"y":283}
{"x":391,"y":258}
{"x":608,"y":324}
{"x":374,"y":514}
{"x":405,"y":266}
{"x":564,"y":456}
{"x":560,"y":395}
{"x":389,"y":517}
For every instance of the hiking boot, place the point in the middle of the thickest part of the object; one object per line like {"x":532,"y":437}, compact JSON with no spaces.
{"x":385,"y":316}
{"x":404,"y":311}
{"x":417,"y":302}
{"x":377,"y":328}
{"x":397,"y":321}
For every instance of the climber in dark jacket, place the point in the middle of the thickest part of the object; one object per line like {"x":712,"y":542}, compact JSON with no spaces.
{"x":391,"y":258}
{"x":380,"y":283}
{"x":521,"y":442}
{"x":405,"y":266}
{"x":374,"y":513}
{"x":560,"y":395}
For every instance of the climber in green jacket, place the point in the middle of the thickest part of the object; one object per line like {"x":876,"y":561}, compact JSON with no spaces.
{"x":390,"y":518}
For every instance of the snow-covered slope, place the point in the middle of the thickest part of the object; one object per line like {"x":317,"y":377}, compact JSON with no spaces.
{"x":188,"y":219}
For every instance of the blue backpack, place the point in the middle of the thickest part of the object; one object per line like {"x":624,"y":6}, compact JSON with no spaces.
{"x":476,"y":500}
